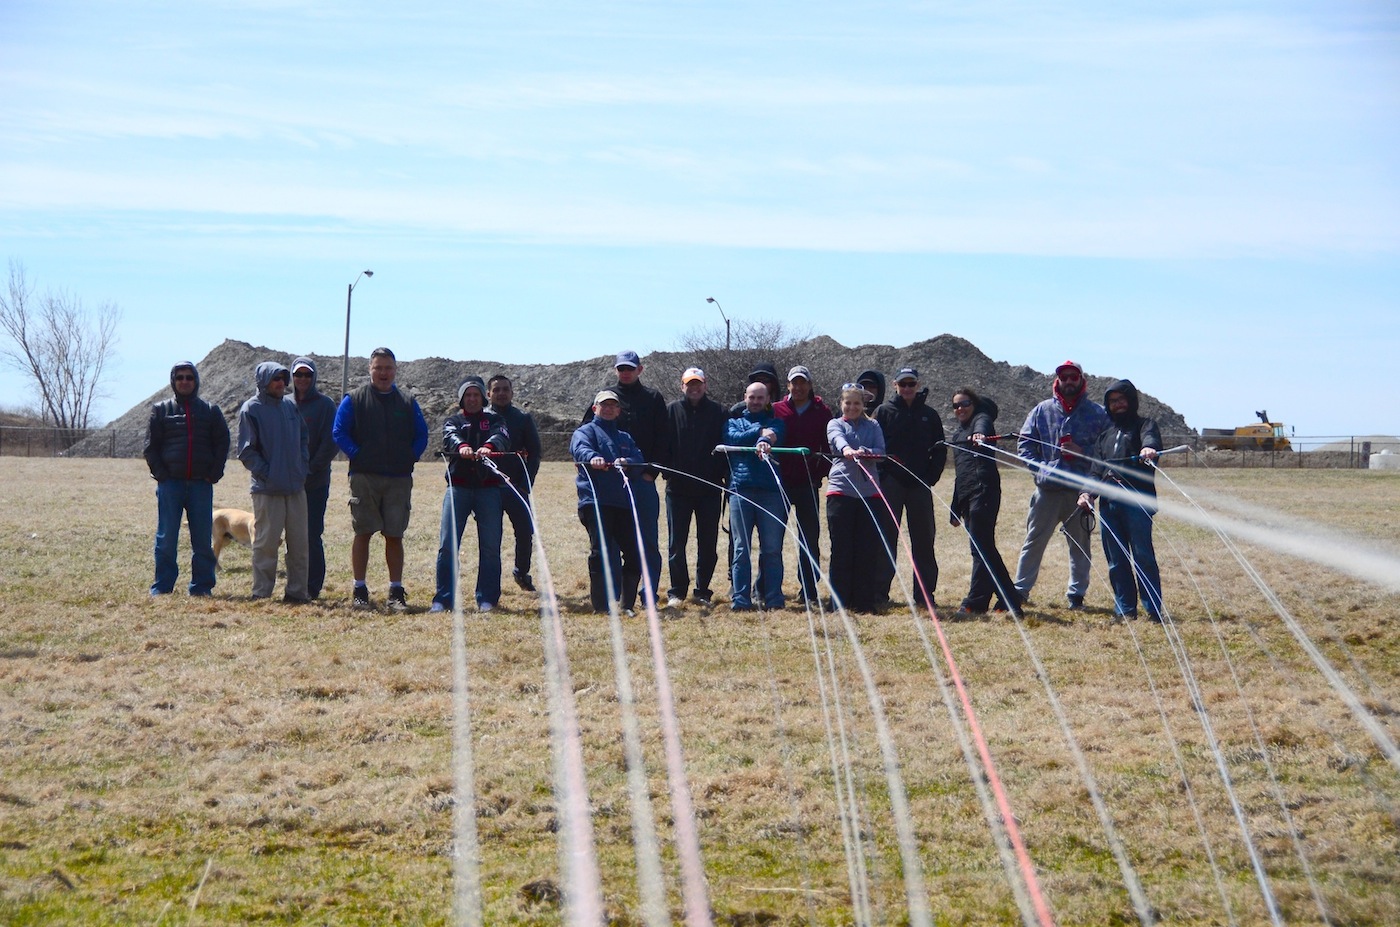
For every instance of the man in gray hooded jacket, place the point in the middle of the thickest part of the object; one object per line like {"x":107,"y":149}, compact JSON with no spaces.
{"x":272,"y":445}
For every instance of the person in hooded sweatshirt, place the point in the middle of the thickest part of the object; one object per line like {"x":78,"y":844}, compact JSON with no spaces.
{"x":318,"y":412}
{"x":1052,"y":442}
{"x":273,"y":447}
{"x":1124,"y":458}
{"x":601,"y":449}
{"x":187,"y":444}
{"x":976,"y":504}
{"x":887,"y":547}
{"x":473,"y":489}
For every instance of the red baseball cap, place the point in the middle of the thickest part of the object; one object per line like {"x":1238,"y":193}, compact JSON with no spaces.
{"x":1074,"y":365}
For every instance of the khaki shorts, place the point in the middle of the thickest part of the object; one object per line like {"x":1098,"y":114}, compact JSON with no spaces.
{"x":380,"y":504}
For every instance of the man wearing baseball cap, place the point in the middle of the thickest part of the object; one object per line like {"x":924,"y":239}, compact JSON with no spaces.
{"x":644,"y":417}
{"x":1052,"y":441}
{"x":914,"y":442}
{"x":804,"y":416}
{"x":696,"y":426}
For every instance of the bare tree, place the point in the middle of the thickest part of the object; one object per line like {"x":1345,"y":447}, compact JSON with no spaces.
{"x":62,"y":347}
{"x":727,"y":370}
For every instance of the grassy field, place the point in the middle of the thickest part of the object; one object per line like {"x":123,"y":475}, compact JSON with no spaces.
{"x":216,"y":761}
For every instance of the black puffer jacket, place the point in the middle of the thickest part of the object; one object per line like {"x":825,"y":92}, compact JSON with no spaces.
{"x":914,"y":437}
{"x":186,"y":439}
{"x":975,"y":465}
{"x":1124,"y":439}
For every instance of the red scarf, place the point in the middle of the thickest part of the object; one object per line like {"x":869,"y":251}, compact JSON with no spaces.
{"x":1065,"y":402}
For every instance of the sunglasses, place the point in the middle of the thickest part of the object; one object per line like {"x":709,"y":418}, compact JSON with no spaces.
{"x":300,"y":374}
{"x":962,"y":405}
{"x":183,"y":378}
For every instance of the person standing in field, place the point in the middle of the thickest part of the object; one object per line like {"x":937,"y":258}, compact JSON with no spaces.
{"x":522,"y":468}
{"x":383,"y":432}
{"x":852,"y":504}
{"x":272,"y":445}
{"x":804,"y":416}
{"x":697,"y":426}
{"x":914,"y":440}
{"x":318,"y":412}
{"x":187,"y":445}
{"x":1124,"y":457}
{"x":1053,"y":441}
{"x":472,"y":489}
{"x":643,"y":416}
{"x":755,"y":504}
{"x":976,"y":504}
{"x":600,"y":449}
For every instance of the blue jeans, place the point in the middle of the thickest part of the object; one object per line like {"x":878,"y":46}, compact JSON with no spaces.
{"x":1134,"y":570}
{"x":519,"y":513}
{"x":457,"y":503}
{"x":649,"y":517}
{"x":744,"y":516}
{"x":194,"y":499}
{"x":316,"y":499}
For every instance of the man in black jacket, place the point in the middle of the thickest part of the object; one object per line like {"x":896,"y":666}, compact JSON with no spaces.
{"x":914,"y":442}
{"x":187,"y":443}
{"x":696,"y":426}
{"x":522,"y":470}
{"x":644,"y":418}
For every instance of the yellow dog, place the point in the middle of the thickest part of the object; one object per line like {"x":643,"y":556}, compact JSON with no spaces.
{"x":232,"y":525}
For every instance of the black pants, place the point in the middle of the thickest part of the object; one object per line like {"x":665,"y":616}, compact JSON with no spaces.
{"x":519,"y":515}
{"x":855,"y":550}
{"x":803,"y":497}
{"x":704,"y":508}
{"x":620,"y":538}
{"x":913,"y":504}
{"x":989,"y":575}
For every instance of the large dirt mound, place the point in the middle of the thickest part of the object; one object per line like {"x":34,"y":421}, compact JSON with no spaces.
{"x":557,"y":394}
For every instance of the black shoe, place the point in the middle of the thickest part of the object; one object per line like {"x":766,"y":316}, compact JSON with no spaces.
{"x":296,"y":600}
{"x":398,"y":599}
{"x":361,"y":600}
{"x":523,"y":580}
{"x":702,"y":599}
{"x":1076,"y":603}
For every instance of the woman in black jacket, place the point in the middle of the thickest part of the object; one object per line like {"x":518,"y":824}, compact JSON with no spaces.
{"x":977,"y":502}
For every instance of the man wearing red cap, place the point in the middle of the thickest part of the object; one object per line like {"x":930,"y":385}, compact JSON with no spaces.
{"x":1052,"y":441}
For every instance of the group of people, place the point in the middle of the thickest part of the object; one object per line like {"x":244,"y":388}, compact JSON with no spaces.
{"x":767,"y":456}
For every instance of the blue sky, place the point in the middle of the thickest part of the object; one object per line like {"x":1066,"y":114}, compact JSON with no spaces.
{"x":1204,"y":197}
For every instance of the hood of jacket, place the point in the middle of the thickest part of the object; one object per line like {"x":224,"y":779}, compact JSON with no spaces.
{"x":987,"y":407}
{"x":265,"y":373}
{"x":879,"y":379}
{"x":1126,"y":388}
{"x":315,"y":376}
{"x":185,"y":365}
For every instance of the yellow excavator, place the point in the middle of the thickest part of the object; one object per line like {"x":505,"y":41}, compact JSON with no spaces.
{"x":1266,"y":436}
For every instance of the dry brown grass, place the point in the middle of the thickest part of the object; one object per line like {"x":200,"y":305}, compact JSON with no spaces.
{"x":302,"y":754}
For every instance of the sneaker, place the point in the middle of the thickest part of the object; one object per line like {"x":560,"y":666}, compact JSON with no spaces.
{"x":485,"y":607}
{"x":523,"y":580}
{"x":702,"y":600}
{"x":628,"y":613}
{"x":361,"y":601}
{"x":438,"y":607}
{"x":1076,"y":603}
{"x":1127,"y":616}
{"x":398,"y":599}
{"x":1155,"y":619}
{"x":966,"y":614}
{"x":296,"y":600}
{"x":675,"y":601}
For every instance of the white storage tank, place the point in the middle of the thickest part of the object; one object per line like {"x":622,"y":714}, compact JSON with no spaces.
{"x":1385,"y":461}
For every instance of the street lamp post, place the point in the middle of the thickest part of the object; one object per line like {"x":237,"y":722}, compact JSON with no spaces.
{"x":345,"y":360}
{"x":711,"y":299}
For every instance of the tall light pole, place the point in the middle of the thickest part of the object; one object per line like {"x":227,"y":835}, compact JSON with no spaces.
{"x":345,"y":360}
{"x":711,"y":299}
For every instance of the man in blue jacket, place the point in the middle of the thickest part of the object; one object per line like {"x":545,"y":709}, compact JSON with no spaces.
{"x":272,"y":445}
{"x":383,"y":432}
{"x":187,"y":445}
{"x":318,"y":412}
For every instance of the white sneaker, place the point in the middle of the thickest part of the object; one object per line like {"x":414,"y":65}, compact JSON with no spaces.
{"x":485,"y":607}
{"x":675,"y":601}
{"x":438,"y":607}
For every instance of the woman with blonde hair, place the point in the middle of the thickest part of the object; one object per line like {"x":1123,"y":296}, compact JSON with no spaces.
{"x":851,"y":497}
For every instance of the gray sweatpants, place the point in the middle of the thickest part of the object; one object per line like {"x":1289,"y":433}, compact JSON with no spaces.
{"x":1048,"y":511}
{"x":275,"y":514}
